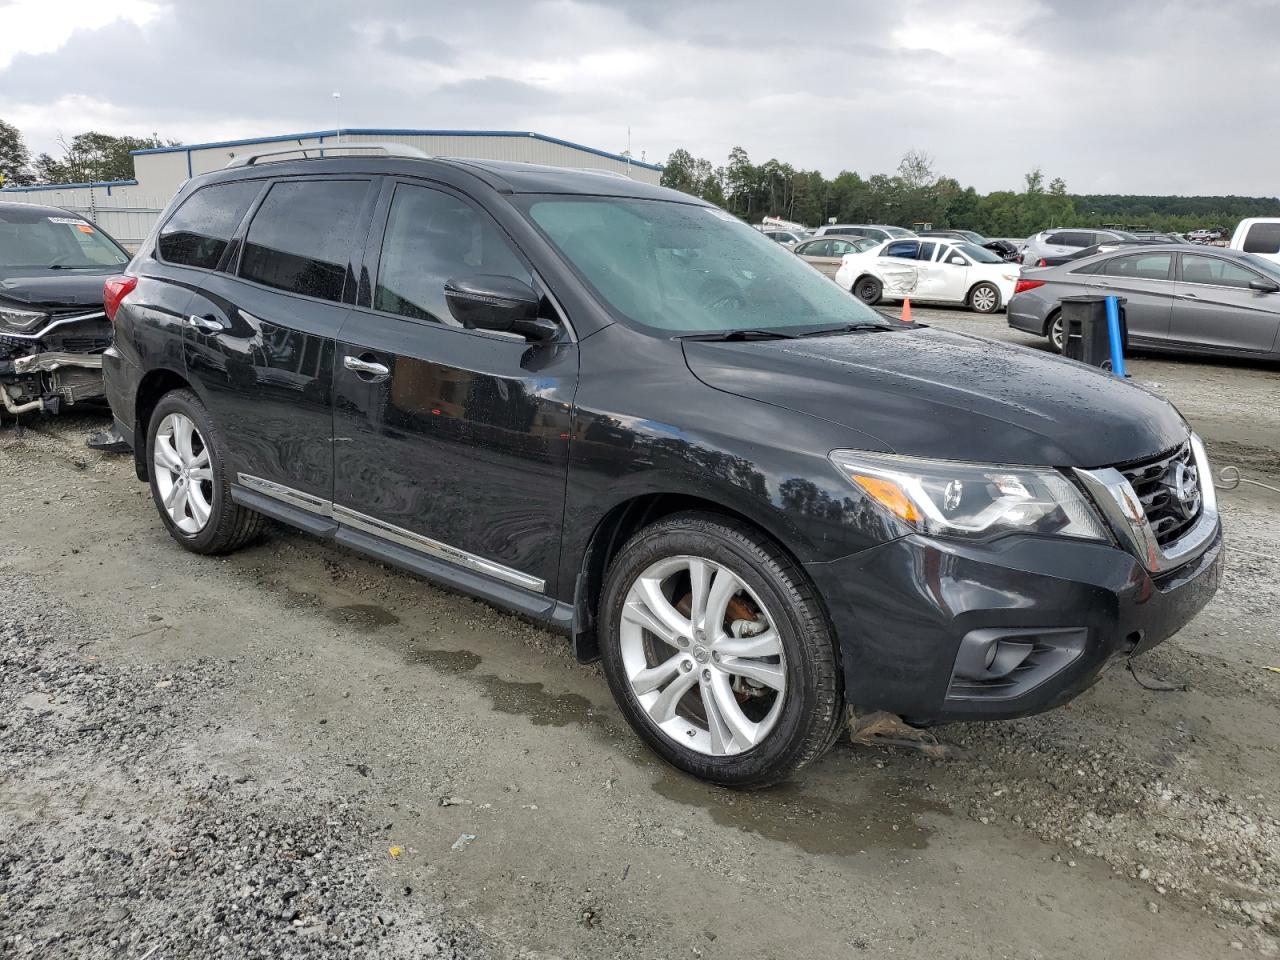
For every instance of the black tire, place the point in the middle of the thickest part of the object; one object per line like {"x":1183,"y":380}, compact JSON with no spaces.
{"x":230,"y":526}
{"x":812,"y":712}
{"x":988,"y":301}
{"x":869,"y":290}
{"x":1054,"y":332}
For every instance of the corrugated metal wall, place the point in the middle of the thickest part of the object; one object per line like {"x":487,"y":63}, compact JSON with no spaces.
{"x":124,"y":214}
{"x":127,"y":210}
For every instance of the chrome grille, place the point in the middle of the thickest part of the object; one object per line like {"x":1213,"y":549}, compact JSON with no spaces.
{"x":1169,"y":487}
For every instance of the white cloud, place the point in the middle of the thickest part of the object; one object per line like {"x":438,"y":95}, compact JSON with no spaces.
{"x":42,"y":26}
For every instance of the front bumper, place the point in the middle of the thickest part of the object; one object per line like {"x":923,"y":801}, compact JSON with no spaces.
{"x":908,"y":614}
{"x":47,"y":381}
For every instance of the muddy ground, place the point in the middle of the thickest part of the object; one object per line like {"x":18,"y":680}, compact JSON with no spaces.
{"x":295,"y":752}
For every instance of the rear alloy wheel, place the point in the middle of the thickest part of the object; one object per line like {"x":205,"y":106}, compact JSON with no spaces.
{"x":868,"y":290}
{"x":189,"y":479}
{"x":984,"y":298}
{"x":718,"y":653}
{"x":184,"y":477}
{"x":1056,"y":335}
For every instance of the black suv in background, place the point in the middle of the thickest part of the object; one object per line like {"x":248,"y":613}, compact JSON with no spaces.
{"x":619,"y":411}
{"x":52,"y":325}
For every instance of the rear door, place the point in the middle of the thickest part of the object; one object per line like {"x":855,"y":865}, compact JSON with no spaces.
{"x":261,"y":339}
{"x":1215,"y":307}
{"x":898,"y":268}
{"x":1145,"y":281}
{"x":817,"y":253}
{"x":451,"y":442}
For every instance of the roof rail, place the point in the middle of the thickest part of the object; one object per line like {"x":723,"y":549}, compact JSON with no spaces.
{"x":391,"y":149}
{"x":618,"y":174}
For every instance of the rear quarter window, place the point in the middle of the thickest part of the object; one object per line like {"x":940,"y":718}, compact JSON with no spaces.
{"x":1263,"y":238}
{"x":197,"y":233}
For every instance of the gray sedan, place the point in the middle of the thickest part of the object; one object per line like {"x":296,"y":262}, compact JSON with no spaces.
{"x":1179,"y":299}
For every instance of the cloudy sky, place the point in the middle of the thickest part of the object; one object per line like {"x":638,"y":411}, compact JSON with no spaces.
{"x":1122,"y":96}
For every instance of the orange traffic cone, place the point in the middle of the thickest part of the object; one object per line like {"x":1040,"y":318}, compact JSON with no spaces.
{"x":906,"y":310}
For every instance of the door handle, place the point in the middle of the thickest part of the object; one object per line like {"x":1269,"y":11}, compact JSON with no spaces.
{"x":207,"y":324}
{"x":367,"y":370}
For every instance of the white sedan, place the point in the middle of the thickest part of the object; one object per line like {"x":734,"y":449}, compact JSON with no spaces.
{"x":941,"y":271}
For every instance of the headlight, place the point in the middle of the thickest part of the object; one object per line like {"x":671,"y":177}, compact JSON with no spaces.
{"x":19,"y":321}
{"x":971,"y":500}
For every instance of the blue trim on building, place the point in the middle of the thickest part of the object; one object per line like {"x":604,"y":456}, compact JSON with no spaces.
{"x":376,"y":131}
{"x":70,"y":186}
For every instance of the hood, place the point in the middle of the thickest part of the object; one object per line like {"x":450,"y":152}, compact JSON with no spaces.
{"x":930,"y":393}
{"x":57,"y":288}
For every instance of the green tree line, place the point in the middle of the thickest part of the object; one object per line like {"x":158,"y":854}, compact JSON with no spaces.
{"x":917,"y":193}
{"x":89,"y":157}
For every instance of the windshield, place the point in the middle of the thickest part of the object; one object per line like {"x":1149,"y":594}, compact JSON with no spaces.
{"x":690,"y":269}
{"x":976,"y":253}
{"x":1269,"y":267}
{"x":972,"y":237}
{"x":36,"y":239}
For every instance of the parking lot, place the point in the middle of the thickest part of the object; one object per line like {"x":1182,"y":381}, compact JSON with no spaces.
{"x":292,"y":747}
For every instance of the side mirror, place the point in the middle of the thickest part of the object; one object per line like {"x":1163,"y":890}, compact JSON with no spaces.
{"x":1263,"y":286}
{"x":500,"y":304}
{"x":958,"y":261}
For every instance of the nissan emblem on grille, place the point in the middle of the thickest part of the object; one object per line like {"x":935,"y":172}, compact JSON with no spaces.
{"x":1183,"y":483}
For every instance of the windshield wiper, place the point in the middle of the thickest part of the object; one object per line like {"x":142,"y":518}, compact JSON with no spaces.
{"x":847,"y":328}
{"x":728,"y":335}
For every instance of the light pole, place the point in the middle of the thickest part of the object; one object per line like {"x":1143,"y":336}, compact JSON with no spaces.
{"x":337,"y":113}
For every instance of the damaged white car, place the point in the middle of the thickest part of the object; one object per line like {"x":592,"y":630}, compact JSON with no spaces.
{"x":52,"y":326}
{"x":939,"y":271}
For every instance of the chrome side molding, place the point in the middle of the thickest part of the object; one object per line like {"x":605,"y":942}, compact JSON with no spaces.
{"x":1120,"y":505}
{"x":399,"y":535}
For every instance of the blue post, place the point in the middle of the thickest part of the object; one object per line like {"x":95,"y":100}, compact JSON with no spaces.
{"x":1113,"y":335}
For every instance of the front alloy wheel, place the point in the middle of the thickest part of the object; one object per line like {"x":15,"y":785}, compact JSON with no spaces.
{"x":718,"y":651}
{"x":184,"y":476}
{"x":702,"y":655}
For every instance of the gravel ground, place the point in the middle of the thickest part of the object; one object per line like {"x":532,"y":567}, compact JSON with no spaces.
{"x":295,"y":752}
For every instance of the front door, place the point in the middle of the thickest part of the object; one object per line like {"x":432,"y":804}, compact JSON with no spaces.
{"x":260,"y":343}
{"x":1215,"y":307}
{"x":451,"y":442}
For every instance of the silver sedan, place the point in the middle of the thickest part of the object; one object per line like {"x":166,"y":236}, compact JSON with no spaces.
{"x":1178,"y":299}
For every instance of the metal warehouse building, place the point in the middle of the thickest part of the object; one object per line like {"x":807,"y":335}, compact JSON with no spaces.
{"x":127,"y":209}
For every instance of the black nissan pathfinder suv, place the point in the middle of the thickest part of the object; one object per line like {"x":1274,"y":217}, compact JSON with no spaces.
{"x":619,"y":411}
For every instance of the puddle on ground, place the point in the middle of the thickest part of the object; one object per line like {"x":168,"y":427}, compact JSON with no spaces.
{"x":883,"y":818}
{"x":362,"y":616}
{"x":530,"y":700}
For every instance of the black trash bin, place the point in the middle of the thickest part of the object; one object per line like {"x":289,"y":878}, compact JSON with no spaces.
{"x":1084,"y":330}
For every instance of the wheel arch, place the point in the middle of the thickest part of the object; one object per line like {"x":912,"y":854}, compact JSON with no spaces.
{"x":615,"y":528}
{"x":151,"y":388}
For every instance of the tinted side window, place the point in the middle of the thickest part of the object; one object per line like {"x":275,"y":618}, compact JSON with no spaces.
{"x":1211,"y":270}
{"x":1144,"y":266}
{"x":927,"y":249}
{"x":300,"y":238}
{"x":1263,"y":238}
{"x":433,"y":237}
{"x":819,"y":248}
{"x":1075,"y":238}
{"x":1057,"y":239}
{"x":905,"y":249}
{"x":199,"y":230}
